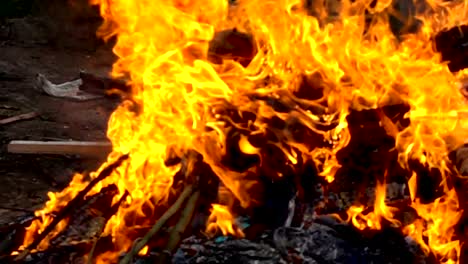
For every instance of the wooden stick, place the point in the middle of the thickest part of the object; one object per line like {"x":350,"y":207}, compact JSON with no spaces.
{"x":71,"y":205}
{"x":82,"y":148}
{"x":158,"y":225}
{"x":176,"y":233}
{"x":12,"y":119}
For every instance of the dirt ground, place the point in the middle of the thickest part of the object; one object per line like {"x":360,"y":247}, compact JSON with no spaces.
{"x":27,"y":47}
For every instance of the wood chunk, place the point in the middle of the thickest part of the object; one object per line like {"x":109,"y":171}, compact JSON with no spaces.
{"x":82,"y":148}
{"x":12,"y":119}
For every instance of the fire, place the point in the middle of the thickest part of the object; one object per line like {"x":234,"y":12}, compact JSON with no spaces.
{"x":309,"y":66}
{"x":440,"y":219}
{"x":143,"y":251}
{"x":373,"y":220}
{"x":221,"y":218}
{"x":56,"y":200}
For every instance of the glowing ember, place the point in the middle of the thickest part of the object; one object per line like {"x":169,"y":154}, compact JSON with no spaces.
{"x":181,"y":91}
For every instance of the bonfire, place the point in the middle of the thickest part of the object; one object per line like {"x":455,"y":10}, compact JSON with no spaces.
{"x":237,"y":110}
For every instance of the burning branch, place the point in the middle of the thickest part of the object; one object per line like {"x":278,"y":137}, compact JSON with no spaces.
{"x":141,"y":243}
{"x":71,"y":205}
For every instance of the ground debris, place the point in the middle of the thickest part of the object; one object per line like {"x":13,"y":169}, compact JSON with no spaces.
{"x":193,"y":250}
{"x":70,"y":90}
{"x":320,"y":243}
{"x":12,"y":119}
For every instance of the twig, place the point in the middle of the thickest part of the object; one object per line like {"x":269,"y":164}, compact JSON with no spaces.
{"x":8,"y":107}
{"x":12,"y":119}
{"x":71,"y":205}
{"x":158,"y":225}
{"x":176,"y":233}
{"x":17,"y":209}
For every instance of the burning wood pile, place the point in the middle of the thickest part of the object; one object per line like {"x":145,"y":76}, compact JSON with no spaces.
{"x":272,"y":132}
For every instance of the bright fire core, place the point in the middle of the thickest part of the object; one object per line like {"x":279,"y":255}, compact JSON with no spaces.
{"x":179,"y":95}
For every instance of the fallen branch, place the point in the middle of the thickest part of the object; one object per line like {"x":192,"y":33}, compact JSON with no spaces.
{"x":176,"y":233}
{"x":82,"y":148}
{"x":141,"y":243}
{"x":71,"y":205}
{"x":12,"y":119}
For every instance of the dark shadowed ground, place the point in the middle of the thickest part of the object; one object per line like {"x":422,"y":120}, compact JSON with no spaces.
{"x":58,"y":41}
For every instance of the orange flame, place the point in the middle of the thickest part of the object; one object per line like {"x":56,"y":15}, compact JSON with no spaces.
{"x":143,"y":251}
{"x":440,"y":218}
{"x":178,"y":96}
{"x":373,"y":219}
{"x":222,"y":219}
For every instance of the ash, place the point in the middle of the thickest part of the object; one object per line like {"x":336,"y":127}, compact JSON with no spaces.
{"x":327,"y":242}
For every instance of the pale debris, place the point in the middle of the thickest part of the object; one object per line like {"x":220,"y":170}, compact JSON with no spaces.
{"x":69,"y":90}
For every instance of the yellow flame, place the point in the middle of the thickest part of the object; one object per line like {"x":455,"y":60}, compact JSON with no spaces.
{"x":246,"y":147}
{"x":179,"y":97}
{"x":143,"y":251}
